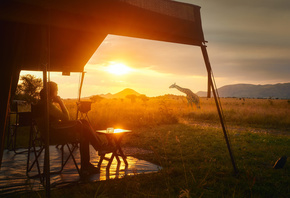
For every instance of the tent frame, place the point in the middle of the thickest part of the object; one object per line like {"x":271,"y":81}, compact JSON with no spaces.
{"x":10,"y":59}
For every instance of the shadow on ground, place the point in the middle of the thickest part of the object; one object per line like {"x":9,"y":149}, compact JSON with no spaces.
{"x":13,"y":176}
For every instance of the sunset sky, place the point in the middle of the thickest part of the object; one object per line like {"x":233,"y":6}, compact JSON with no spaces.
{"x":248,"y":42}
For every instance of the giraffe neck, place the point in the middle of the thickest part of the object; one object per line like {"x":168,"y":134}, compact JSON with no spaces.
{"x":181,"y":89}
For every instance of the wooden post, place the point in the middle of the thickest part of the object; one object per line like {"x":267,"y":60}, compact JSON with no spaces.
{"x":218,"y":105}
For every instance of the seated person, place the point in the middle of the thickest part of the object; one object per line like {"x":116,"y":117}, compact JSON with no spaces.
{"x":62,"y":127}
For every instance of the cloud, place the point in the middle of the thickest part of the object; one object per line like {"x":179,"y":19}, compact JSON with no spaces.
{"x":159,"y":56}
{"x":248,"y":42}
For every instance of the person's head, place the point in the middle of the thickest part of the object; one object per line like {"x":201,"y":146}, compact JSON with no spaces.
{"x":52,"y":90}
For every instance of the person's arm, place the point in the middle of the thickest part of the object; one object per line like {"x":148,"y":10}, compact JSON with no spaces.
{"x":62,"y":114}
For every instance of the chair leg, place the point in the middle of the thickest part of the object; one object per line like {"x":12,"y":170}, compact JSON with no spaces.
{"x":14,"y":140}
{"x":37,"y":153}
{"x":71,"y":150}
{"x":9,"y":138}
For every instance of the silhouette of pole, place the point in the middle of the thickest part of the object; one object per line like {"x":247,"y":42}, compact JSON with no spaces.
{"x":218,"y":105}
{"x":80,"y":92}
{"x":46,"y":132}
{"x":46,"y":109}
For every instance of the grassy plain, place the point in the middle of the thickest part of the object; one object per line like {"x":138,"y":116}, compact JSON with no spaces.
{"x":262,"y":113}
{"x":189,"y":145}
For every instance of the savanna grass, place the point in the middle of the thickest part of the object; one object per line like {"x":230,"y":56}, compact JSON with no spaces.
{"x":194,"y":159}
{"x":263,"y":113}
{"x":195,"y":163}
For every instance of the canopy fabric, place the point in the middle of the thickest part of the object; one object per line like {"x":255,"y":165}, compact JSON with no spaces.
{"x":67,"y":33}
{"x":64,"y":34}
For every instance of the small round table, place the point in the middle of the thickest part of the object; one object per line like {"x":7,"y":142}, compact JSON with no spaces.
{"x":114,"y":140}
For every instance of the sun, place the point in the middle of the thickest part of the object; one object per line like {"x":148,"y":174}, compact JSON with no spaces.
{"x":118,"y":68}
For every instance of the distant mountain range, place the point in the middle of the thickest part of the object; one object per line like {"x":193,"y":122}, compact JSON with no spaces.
{"x":281,"y":91}
{"x":121,"y":94}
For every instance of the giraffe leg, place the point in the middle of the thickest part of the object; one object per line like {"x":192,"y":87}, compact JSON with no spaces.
{"x":191,"y":105}
{"x":197,"y":105}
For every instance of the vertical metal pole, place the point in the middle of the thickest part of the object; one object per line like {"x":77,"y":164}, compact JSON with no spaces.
{"x":46,"y":132}
{"x":81,"y":85}
{"x":80,"y":93}
{"x":208,"y":67}
{"x":46,"y":110}
{"x":208,"y":84}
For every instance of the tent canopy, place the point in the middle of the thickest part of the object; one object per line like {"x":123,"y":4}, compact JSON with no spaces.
{"x":63,"y":35}
{"x":66,"y":33}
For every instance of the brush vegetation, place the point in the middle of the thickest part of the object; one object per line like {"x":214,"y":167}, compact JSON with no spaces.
{"x":170,"y":109}
{"x":189,"y":145}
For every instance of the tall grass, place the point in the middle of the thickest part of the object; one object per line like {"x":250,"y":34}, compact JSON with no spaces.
{"x":194,"y":159}
{"x":265,"y":113}
{"x":195,"y":163}
{"x":262,"y":113}
{"x":125,"y":114}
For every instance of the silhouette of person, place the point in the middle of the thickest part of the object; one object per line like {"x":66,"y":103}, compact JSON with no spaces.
{"x":61,"y":127}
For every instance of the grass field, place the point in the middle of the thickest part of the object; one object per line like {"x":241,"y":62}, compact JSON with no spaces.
{"x":189,"y":145}
{"x":264,"y":113}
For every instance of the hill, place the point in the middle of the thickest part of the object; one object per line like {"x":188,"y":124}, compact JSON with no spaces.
{"x":121,"y":94}
{"x":281,"y":91}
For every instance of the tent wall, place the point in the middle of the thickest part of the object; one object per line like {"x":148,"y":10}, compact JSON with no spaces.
{"x":9,"y":73}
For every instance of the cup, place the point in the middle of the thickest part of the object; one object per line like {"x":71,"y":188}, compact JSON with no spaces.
{"x":110,"y":130}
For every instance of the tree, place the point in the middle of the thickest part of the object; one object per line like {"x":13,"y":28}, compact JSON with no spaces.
{"x":144,"y":98}
{"x":28,"y":89}
{"x":96,"y":98}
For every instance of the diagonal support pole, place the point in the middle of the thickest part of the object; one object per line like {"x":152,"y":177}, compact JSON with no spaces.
{"x":218,"y":105}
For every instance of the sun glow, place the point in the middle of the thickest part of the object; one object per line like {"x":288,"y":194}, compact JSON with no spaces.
{"x":118,"y":68}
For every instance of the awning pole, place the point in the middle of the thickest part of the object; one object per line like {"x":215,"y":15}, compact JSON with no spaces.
{"x":46,"y":111}
{"x":218,"y":105}
{"x":46,"y":132}
{"x":81,"y":85}
{"x":208,"y":85}
{"x":80,"y":92}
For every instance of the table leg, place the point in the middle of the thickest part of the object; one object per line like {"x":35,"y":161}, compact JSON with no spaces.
{"x":114,"y":140}
{"x":120,"y":151}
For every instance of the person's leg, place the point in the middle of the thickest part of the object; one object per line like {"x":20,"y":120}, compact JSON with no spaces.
{"x":84,"y":152}
{"x":89,"y":133}
{"x":71,"y":131}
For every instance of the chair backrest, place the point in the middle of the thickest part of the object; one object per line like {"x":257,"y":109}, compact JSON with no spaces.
{"x":37,"y":111}
{"x":59,"y":134}
{"x":14,"y":107}
{"x":24,"y":118}
{"x":19,"y":118}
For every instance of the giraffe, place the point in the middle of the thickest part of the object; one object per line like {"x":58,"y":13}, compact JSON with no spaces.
{"x":190,"y":96}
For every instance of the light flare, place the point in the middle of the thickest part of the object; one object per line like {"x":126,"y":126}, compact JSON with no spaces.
{"x":118,"y":68}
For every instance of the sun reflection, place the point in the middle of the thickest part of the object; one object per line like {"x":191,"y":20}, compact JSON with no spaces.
{"x":119,"y":170}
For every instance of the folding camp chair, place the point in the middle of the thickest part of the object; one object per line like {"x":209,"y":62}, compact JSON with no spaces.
{"x":34,"y":159}
{"x":17,"y":120}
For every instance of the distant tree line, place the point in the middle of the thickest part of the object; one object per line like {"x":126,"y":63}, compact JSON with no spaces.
{"x":132,"y":97}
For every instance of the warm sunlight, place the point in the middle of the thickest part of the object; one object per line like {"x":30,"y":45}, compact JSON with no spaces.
{"x":118,"y":68}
